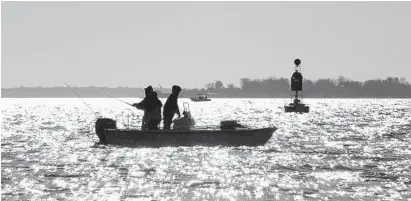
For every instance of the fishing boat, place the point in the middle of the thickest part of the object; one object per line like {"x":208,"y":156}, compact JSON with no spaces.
{"x":200,"y":98}
{"x":230,"y":133}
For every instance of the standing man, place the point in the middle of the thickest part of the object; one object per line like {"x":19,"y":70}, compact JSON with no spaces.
{"x":171,"y":107}
{"x":153,"y":108}
{"x":141,"y":106}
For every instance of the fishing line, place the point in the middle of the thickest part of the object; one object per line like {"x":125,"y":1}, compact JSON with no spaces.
{"x":81,"y":99}
{"x":128,"y":117}
{"x":161,"y":90}
{"x":95,"y":113}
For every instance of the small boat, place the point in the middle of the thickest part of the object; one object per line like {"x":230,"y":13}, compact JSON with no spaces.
{"x":200,"y":98}
{"x":230,"y":133}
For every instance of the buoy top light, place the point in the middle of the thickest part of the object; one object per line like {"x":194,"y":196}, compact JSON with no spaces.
{"x":297,"y":62}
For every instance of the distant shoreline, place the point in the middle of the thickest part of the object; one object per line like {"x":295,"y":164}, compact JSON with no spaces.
{"x":391,"y":87}
{"x":86,"y":92}
{"x":211,"y":98}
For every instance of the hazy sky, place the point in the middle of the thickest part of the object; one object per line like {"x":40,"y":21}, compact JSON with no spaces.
{"x":194,"y":43}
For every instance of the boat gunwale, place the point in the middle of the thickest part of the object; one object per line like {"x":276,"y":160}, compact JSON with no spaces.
{"x":191,"y":131}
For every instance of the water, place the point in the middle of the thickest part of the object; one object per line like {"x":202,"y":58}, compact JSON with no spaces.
{"x":345,"y":149}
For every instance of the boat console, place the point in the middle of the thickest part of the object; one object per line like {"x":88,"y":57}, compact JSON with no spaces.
{"x":186,"y":122}
{"x":230,"y":124}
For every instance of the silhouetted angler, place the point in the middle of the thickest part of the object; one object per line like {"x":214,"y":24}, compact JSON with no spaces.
{"x":141,"y":106}
{"x":153,"y":108}
{"x":171,"y":107}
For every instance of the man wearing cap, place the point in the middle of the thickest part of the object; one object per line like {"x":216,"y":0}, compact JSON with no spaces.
{"x":141,"y":106}
{"x":171,"y":107}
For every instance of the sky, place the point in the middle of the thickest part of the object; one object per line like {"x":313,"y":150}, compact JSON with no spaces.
{"x":190,"y":44}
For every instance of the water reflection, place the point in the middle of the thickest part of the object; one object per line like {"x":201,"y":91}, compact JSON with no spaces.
{"x":343,"y":149}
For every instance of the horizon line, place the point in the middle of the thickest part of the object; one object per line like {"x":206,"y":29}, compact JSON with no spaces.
{"x":271,"y":77}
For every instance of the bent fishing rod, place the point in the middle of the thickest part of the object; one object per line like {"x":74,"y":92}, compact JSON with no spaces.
{"x":74,"y":91}
{"x":161,"y":90}
{"x":119,"y":100}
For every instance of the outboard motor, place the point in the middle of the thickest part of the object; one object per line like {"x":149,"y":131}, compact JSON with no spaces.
{"x":101,"y":125}
{"x":297,"y":77}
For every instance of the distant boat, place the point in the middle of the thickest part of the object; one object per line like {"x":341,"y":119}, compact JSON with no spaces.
{"x":200,"y":98}
{"x":229,"y":134}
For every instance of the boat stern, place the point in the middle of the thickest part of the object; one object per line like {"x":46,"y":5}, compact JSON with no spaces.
{"x":103,"y":124}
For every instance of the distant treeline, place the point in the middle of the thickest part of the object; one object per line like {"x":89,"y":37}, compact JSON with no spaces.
{"x":323,"y":88}
{"x":391,"y":87}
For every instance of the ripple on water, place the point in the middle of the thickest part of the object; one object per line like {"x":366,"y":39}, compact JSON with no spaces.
{"x":343,"y":149}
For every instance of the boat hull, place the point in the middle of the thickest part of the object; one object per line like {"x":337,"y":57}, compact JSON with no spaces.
{"x":159,"y":138}
{"x":199,"y":100}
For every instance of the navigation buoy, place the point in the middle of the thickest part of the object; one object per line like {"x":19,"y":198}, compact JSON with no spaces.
{"x":297,"y":86}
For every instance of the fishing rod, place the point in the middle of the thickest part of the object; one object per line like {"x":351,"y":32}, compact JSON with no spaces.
{"x":119,"y":100}
{"x":74,"y":91}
